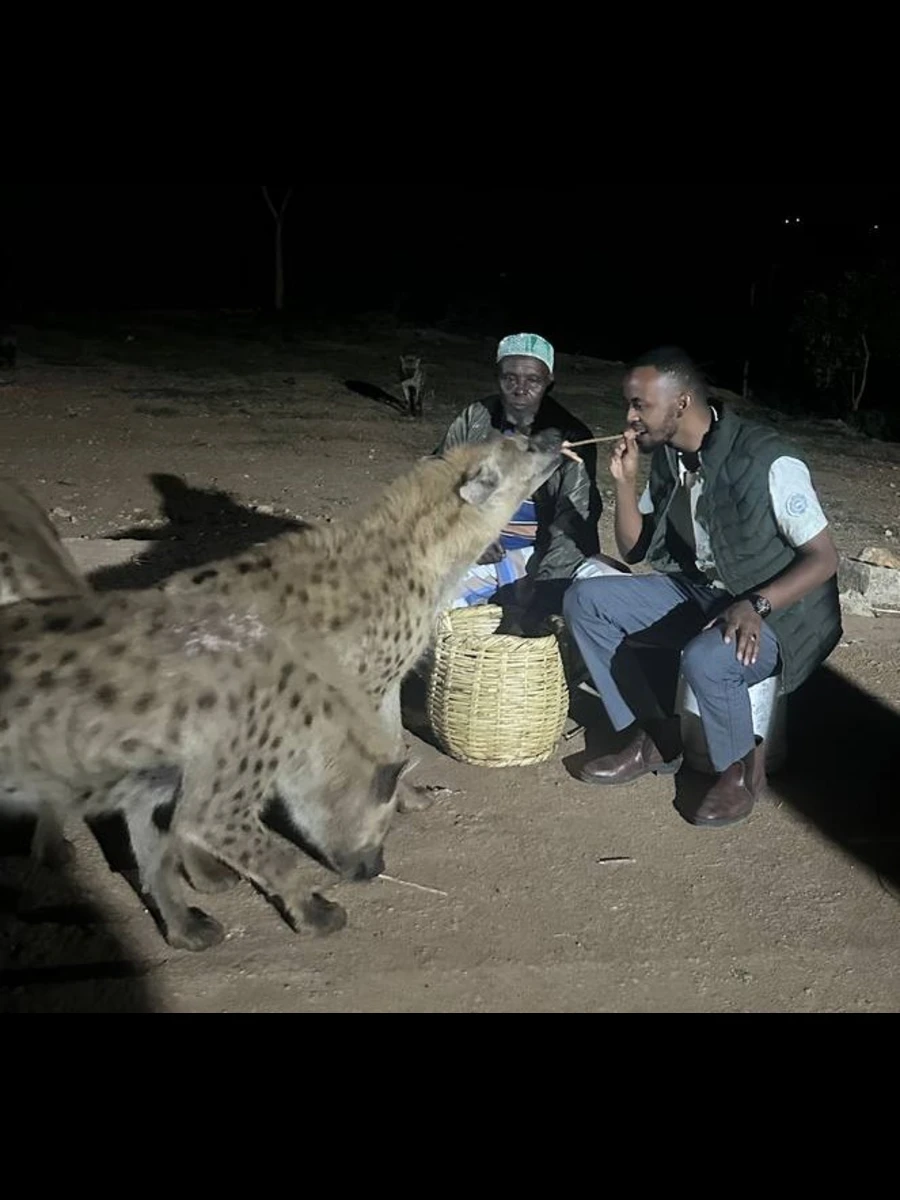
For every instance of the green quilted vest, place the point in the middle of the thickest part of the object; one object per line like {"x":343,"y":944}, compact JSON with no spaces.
{"x":747,"y":545}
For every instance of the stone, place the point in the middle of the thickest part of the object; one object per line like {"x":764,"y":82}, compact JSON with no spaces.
{"x":880,"y":556}
{"x":853,"y":604}
{"x":879,"y":586}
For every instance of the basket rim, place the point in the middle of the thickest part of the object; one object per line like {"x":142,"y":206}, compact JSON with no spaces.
{"x":486,"y":612}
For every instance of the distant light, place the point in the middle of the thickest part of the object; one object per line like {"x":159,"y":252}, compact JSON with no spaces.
{"x":876,"y":228}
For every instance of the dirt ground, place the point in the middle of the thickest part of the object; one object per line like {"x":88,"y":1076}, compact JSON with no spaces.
{"x":550,"y":896}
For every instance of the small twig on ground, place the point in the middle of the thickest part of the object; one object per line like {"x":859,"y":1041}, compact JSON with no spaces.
{"x":420,"y":887}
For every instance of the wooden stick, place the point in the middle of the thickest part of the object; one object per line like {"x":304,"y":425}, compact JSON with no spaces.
{"x":611,"y":437}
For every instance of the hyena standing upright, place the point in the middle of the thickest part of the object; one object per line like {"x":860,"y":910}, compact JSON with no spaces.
{"x":412,"y":381}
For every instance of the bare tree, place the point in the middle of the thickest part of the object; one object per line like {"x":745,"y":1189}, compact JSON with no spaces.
{"x":745,"y":383}
{"x":844,"y":326}
{"x":856,"y":393}
{"x":278,"y":216}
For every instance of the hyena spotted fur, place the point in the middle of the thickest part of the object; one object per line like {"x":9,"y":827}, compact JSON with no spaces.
{"x":371,"y":585}
{"x":119,"y":702}
{"x":251,"y":682}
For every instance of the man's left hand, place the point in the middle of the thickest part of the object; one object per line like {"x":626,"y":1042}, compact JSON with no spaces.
{"x":742,"y":623}
{"x":494,"y":553}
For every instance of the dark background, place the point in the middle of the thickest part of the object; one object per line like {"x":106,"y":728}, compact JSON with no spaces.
{"x":606,"y":271}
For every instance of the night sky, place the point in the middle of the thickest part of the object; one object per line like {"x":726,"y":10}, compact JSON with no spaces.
{"x":607,"y":271}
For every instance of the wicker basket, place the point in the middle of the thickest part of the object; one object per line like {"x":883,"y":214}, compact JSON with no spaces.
{"x":493,"y":699}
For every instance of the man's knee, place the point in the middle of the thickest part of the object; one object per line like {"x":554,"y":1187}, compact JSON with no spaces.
{"x":589,"y":601}
{"x":599,"y":601}
{"x":576,"y":603}
{"x":708,"y":657}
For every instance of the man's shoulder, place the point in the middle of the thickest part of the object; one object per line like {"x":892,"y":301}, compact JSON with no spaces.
{"x":484,"y":409}
{"x":753,"y":431}
{"x":471,"y":424}
{"x":790,"y":478}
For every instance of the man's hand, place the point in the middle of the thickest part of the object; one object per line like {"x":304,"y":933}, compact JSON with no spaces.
{"x":624,"y":461}
{"x":743,"y":624}
{"x":493,"y":554}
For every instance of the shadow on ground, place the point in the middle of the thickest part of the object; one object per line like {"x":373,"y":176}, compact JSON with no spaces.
{"x":60,"y":951}
{"x":202,"y":525}
{"x":371,"y":391}
{"x":840,"y":775}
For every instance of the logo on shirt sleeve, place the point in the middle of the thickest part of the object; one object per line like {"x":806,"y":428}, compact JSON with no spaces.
{"x":797,"y":505}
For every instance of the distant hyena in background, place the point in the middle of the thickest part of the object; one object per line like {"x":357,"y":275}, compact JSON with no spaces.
{"x":412,"y":377}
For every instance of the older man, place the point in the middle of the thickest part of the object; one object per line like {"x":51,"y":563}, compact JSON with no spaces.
{"x":743,"y":584}
{"x":554,"y":533}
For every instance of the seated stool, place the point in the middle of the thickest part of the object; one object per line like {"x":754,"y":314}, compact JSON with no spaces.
{"x":769,"y":709}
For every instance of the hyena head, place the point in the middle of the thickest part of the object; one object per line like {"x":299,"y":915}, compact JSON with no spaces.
{"x":343,"y":821}
{"x":361,"y":816}
{"x":497,"y":475}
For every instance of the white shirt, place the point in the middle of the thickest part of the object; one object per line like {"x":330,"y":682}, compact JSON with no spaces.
{"x":795,"y":506}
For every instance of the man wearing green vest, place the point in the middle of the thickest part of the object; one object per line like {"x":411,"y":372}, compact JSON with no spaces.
{"x":743,"y":584}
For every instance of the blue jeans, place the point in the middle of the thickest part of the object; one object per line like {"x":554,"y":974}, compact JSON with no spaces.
{"x":613,"y":618}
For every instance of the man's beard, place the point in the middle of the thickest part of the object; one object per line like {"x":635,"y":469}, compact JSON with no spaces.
{"x":647,"y":443}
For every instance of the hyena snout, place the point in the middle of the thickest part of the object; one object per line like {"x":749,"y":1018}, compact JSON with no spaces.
{"x":547,"y":441}
{"x":365,"y":864}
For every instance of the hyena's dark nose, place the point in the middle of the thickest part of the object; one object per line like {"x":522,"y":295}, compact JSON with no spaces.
{"x":369,"y":866}
{"x":365,"y":865}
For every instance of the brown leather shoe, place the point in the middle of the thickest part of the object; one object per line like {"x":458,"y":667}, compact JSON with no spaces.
{"x":731,"y":798}
{"x":639,"y":757}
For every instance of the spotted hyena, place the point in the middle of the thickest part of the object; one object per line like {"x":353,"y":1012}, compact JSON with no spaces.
{"x":122,"y":702}
{"x":97,"y":692}
{"x":370,"y":586}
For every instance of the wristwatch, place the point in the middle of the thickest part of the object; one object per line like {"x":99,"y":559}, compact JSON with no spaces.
{"x":760,"y":604}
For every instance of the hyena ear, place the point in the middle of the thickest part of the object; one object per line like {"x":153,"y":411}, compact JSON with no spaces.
{"x":385,"y":780}
{"x":478,"y":486}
